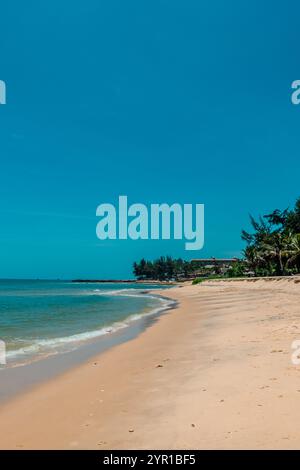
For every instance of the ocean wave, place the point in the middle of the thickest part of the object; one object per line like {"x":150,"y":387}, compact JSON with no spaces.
{"x":124,"y":293}
{"x":48,"y":346}
{"x":76,"y":293}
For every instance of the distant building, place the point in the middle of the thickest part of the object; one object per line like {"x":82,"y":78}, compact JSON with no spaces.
{"x":213,"y":265}
{"x":215,"y":261}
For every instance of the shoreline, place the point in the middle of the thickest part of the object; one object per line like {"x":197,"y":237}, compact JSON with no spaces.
{"x":213,"y":373}
{"x":20,"y":377}
{"x":124,"y":281}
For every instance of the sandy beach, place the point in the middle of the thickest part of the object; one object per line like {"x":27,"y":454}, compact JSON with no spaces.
{"x":213,"y":373}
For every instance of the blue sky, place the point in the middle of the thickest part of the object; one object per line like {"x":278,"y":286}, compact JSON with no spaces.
{"x":164,"y":101}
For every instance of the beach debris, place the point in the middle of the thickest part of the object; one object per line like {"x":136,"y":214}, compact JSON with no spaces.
{"x":277,"y":351}
{"x":102,"y":443}
{"x":193,"y":425}
{"x":130,"y":430}
{"x":159,"y":365}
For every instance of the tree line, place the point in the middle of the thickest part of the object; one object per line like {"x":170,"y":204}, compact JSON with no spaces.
{"x":162,"y":269}
{"x":272,"y":249}
{"x":273,"y":246}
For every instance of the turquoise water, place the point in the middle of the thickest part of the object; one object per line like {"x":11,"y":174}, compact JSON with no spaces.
{"x":39,"y":318}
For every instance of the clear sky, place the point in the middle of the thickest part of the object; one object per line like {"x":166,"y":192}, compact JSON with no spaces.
{"x":163,"y":101}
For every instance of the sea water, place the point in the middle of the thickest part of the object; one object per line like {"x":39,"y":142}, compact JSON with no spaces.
{"x":40,"y":318}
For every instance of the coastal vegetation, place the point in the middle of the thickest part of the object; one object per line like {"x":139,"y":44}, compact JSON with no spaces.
{"x":272,"y":249}
{"x":163,"y":269}
{"x":167,"y":269}
{"x":273,"y":246}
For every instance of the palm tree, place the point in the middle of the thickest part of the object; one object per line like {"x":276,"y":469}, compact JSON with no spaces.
{"x":293,"y":251}
{"x":254,"y":258}
{"x":270,"y":245}
{"x":293,"y":218}
{"x":262,"y":229}
{"x":275,"y":248}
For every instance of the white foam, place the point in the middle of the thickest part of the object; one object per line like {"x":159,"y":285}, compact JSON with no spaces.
{"x":122,"y":293}
{"x":40,"y":346}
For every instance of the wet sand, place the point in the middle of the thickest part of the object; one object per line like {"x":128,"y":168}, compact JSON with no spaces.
{"x":16,"y":379}
{"x":214,"y":373}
